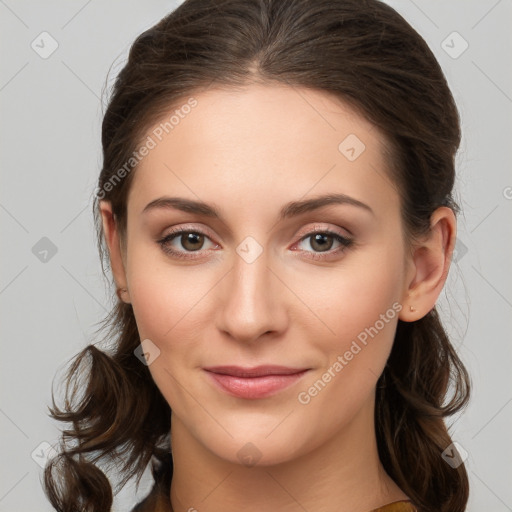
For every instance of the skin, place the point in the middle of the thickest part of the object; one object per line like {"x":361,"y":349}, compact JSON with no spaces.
{"x":249,"y":152}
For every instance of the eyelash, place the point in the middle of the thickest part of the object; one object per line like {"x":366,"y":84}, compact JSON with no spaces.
{"x":344,"y":241}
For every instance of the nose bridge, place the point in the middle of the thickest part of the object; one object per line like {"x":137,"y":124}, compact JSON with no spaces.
{"x":249,"y":306}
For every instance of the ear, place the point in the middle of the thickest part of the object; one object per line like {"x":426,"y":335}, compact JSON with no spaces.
{"x":430,"y":262}
{"x":115,"y":251}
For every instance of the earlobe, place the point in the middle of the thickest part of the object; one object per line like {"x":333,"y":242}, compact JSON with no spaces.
{"x":430,"y":262}
{"x":112,"y":239}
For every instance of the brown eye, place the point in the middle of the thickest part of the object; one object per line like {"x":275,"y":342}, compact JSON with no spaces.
{"x":182,"y":243}
{"x":192,"y":241}
{"x":321,"y":241}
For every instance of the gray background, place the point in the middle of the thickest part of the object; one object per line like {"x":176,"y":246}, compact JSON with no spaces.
{"x":51,"y":111}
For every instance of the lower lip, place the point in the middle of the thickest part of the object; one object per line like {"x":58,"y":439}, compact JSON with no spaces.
{"x":254,"y":387}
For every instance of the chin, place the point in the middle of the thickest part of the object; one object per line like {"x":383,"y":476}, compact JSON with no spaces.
{"x":256,"y":445}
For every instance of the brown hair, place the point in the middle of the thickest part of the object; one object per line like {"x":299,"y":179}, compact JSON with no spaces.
{"x":369,"y":56}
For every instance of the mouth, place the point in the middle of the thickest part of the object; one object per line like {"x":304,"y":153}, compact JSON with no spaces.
{"x":254,"y":383}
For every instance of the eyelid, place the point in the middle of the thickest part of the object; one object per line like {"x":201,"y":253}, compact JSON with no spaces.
{"x":322,"y":228}
{"x":192,"y":228}
{"x":345,"y":242}
{"x":304,"y":232}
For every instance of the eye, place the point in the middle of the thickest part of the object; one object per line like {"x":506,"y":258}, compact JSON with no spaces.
{"x":190,"y":241}
{"x":321,"y":241}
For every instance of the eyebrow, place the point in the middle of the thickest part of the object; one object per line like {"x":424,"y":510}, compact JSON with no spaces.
{"x":291,"y":209}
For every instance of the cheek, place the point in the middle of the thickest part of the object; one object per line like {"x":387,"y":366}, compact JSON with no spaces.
{"x":167,"y":303}
{"x":372,"y":306}
{"x":163,"y":296}
{"x":364,"y":294}
{"x":361,"y":311}
{"x":354,"y":358}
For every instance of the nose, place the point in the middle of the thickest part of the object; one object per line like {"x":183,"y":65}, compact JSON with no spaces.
{"x":251,"y":301}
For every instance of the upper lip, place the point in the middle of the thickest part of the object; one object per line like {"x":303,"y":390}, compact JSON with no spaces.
{"x":256,"y":371}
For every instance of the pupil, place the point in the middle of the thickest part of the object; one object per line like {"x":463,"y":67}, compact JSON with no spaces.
{"x":321,"y":240}
{"x":191,"y":239}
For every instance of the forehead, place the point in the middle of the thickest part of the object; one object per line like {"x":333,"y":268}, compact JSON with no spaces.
{"x":262,"y":143}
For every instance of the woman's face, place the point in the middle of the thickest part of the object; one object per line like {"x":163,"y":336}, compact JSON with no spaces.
{"x":255,"y":285}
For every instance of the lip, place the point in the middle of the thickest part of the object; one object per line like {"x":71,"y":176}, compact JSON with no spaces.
{"x":254,"y":383}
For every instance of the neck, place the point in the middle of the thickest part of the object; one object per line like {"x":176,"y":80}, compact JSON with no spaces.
{"x":342,"y":475}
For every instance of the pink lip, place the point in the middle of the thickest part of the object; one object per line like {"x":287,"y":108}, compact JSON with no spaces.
{"x":253,"y":383}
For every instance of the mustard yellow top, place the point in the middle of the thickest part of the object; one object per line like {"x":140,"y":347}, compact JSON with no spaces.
{"x":161,"y":503}
{"x":397,"y":506}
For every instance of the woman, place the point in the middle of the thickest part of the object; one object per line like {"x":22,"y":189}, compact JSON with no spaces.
{"x":276,"y":207}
